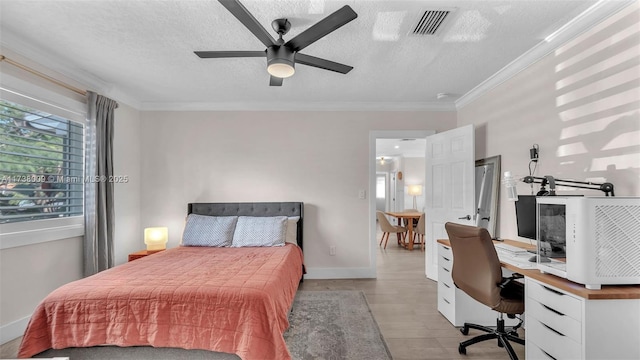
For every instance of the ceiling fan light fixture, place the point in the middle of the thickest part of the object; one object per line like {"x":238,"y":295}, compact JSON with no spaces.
{"x":280,"y":61}
{"x":281,"y":55}
{"x":281,"y":69}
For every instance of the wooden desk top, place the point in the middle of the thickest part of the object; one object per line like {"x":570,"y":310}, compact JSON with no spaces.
{"x":607,"y":292}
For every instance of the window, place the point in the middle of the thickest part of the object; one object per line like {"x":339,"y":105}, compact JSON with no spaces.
{"x":41,"y":165}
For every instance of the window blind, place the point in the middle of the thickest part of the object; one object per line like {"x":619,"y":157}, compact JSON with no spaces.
{"x":41,"y":164}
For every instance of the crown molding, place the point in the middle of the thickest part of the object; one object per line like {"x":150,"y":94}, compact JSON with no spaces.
{"x":578,"y":25}
{"x":300,"y":106}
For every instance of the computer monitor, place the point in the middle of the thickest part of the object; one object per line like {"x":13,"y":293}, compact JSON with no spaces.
{"x":526,"y":216}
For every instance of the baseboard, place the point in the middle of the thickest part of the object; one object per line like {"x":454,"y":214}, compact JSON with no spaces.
{"x":340,"y":273}
{"x":13,"y":329}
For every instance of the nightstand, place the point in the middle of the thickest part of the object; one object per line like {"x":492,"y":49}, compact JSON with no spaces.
{"x":142,"y":253}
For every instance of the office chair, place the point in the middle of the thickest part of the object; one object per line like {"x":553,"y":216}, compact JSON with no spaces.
{"x":387,"y":228}
{"x":477,"y":272}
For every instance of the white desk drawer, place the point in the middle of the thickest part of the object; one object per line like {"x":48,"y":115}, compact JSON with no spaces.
{"x":554,"y":299}
{"x":446,"y":306}
{"x":445,"y":262}
{"x":554,"y":319}
{"x":445,"y":250}
{"x":446,"y":288}
{"x":533,"y":352}
{"x":445,"y":257}
{"x":550,"y":341}
{"x":444,"y":273}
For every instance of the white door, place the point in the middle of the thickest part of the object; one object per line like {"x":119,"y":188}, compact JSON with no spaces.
{"x":449,"y":187}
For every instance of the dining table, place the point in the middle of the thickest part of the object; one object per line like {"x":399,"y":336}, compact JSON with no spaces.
{"x":409,"y":215}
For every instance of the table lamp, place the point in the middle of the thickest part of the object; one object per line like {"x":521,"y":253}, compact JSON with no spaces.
{"x":415,"y":190}
{"x":156,"y":238}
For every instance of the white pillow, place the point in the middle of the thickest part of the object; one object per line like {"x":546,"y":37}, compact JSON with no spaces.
{"x":260,"y":231}
{"x":202,"y":230}
{"x":292,"y":230}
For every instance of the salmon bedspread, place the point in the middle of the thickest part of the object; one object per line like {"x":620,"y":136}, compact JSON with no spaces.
{"x":232,"y":300}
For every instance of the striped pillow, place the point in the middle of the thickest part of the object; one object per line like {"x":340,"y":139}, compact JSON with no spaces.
{"x":202,"y":230}
{"x":260,"y":231}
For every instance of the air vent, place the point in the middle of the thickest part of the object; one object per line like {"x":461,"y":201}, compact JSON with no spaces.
{"x":430,"y":22}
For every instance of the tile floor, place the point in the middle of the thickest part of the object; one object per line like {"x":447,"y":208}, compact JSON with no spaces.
{"x":404,"y":304}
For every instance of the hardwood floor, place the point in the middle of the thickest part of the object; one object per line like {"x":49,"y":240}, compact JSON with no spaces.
{"x":404,"y":304}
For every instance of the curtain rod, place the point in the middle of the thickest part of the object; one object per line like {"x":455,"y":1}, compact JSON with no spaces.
{"x":44,"y":76}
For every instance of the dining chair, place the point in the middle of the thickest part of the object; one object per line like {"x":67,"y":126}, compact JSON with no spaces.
{"x":419,"y":230}
{"x":387,"y":228}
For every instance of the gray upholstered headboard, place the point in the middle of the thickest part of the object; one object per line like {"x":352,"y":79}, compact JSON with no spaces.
{"x":252,"y":209}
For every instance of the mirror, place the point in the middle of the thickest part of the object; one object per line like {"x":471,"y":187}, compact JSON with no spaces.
{"x":487,"y":192}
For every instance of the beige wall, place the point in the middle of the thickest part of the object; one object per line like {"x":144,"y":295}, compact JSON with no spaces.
{"x":414,"y":172}
{"x":127,"y":162}
{"x":320,"y":158}
{"x":29,"y":273}
{"x":580,"y":104}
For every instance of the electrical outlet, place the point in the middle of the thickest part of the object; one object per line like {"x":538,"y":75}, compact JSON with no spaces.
{"x":332,"y":250}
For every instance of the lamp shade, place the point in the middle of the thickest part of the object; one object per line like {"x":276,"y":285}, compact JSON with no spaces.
{"x":415,"y":190}
{"x":156,"y":238}
{"x":281,"y":69}
{"x":280,"y":61}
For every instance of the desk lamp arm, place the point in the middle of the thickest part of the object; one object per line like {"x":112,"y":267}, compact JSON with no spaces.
{"x":607,"y":187}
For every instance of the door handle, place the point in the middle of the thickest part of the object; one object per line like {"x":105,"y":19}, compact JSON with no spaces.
{"x":468,"y":217}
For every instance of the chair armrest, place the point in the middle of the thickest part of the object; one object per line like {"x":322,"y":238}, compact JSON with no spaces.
{"x":505,"y":281}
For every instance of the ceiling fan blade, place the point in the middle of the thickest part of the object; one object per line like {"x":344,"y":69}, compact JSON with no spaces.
{"x":275,"y":81}
{"x":322,"y":28}
{"x":322,"y":63}
{"x":230,"y":54}
{"x":245,"y":17}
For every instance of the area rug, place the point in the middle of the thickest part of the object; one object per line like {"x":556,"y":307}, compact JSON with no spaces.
{"x":334,"y":325}
{"x":324,"y":325}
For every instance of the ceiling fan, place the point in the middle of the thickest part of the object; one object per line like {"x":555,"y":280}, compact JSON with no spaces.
{"x":282,"y":56}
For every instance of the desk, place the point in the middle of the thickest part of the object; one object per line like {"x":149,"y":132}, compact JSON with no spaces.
{"x":564,"y":319}
{"x":409,"y":215}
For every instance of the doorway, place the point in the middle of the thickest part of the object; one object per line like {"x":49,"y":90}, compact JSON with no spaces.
{"x":395,"y":175}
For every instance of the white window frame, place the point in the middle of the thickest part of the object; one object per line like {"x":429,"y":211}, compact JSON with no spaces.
{"x":38,"y":231}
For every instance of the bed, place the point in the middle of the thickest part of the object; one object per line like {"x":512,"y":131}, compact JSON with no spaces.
{"x":224,"y":299}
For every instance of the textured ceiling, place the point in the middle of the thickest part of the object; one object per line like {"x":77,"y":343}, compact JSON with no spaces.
{"x":143,"y":49}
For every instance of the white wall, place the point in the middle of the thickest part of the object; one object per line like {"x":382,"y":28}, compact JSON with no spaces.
{"x":320,"y":158}
{"x":580,"y":104}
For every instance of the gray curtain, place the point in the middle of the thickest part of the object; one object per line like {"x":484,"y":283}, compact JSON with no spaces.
{"x":98,"y":190}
